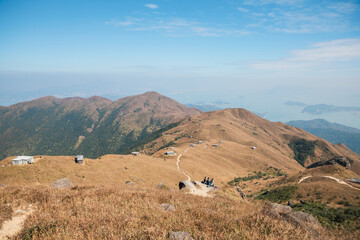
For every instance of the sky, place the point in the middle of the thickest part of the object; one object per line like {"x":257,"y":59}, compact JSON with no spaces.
{"x":255,"y":54}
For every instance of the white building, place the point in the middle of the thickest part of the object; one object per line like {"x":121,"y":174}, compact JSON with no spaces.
{"x":79,"y":159}
{"x":23,"y":160}
{"x":135,"y":153}
{"x":170,"y":153}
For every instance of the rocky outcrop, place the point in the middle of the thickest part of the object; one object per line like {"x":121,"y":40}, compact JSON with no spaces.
{"x":242,"y":194}
{"x":297,"y":218}
{"x":186,"y":184}
{"x":179,"y":236}
{"x":354,"y":180}
{"x":61,"y":183}
{"x":342,"y":161}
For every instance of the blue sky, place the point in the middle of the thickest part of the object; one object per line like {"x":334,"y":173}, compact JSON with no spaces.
{"x":252,"y":54}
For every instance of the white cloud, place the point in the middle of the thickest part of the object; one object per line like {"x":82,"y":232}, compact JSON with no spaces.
{"x":319,"y":54}
{"x":151,"y":6}
{"x":176,"y":27}
{"x":302,"y":16}
{"x":243,"y":10}
{"x":344,"y":7}
{"x":278,"y":2}
{"x":127,"y":22}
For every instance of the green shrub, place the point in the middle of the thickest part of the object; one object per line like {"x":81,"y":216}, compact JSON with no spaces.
{"x":348,"y":217}
{"x":281,"y":194}
{"x":302,"y":149}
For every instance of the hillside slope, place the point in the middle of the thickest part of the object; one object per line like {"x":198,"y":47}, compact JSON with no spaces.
{"x":238,"y":131}
{"x":94,"y":126}
{"x":332,"y":132}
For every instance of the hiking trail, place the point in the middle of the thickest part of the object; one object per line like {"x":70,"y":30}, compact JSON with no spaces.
{"x":178,"y":164}
{"x":330,"y":177}
{"x":13,"y":226}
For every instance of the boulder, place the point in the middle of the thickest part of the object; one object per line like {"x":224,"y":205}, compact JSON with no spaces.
{"x":355,"y":180}
{"x":278,"y":209}
{"x":179,"y":236}
{"x":342,"y":161}
{"x":303,"y":218}
{"x":61,"y":183}
{"x":129,"y":183}
{"x":186,"y":184}
{"x":242,"y":194}
{"x":167,"y":207}
{"x":291,"y":203}
{"x":2,"y":185}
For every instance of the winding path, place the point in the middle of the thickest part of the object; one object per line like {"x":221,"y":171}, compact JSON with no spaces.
{"x":178,"y":164}
{"x":330,"y":177}
{"x":13,"y":226}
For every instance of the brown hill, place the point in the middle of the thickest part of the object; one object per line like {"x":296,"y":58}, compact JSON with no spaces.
{"x":94,"y":126}
{"x":239,"y":131}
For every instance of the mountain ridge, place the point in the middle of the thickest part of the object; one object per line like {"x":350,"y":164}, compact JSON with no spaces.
{"x":54,"y":126}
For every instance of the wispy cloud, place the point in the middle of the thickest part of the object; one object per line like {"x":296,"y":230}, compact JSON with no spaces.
{"x":301,"y":16}
{"x":343,"y":50}
{"x":176,"y":27}
{"x":243,"y":10}
{"x":127,"y":22}
{"x":151,"y":6}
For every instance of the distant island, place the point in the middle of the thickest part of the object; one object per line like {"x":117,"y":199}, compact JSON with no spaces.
{"x":324,"y":108}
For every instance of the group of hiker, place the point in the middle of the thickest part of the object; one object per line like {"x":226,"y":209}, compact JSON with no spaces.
{"x":208,"y":182}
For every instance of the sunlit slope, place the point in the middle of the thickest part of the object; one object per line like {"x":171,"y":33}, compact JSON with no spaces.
{"x":239,"y":131}
{"x":110,"y":170}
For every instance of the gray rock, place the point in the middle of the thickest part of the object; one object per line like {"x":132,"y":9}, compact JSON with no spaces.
{"x":129,"y":183}
{"x":61,"y":183}
{"x":2,"y":185}
{"x":302,"y":201}
{"x":342,"y":161}
{"x":303,"y":218}
{"x":242,"y":194}
{"x":186,"y":184}
{"x":291,"y":203}
{"x":278,"y":209}
{"x":167,"y":207}
{"x":355,"y":180}
{"x":160,"y":185}
{"x":179,"y":236}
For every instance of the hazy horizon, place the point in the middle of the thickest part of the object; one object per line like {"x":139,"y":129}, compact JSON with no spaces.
{"x":250,"y":54}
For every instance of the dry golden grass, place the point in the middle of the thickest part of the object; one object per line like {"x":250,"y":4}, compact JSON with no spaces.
{"x":110,"y":170}
{"x":128,"y":213}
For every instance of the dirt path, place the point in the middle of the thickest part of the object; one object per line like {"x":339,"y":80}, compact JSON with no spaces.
{"x":13,"y":226}
{"x":333,"y":178}
{"x":178,"y":164}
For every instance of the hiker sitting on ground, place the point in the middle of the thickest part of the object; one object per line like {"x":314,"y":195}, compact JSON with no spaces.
{"x":207,"y":181}
{"x":211,"y":182}
{"x":204,"y":181}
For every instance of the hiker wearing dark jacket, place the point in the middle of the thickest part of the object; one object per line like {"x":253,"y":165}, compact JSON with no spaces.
{"x":204,"y":181}
{"x":207,"y":181}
